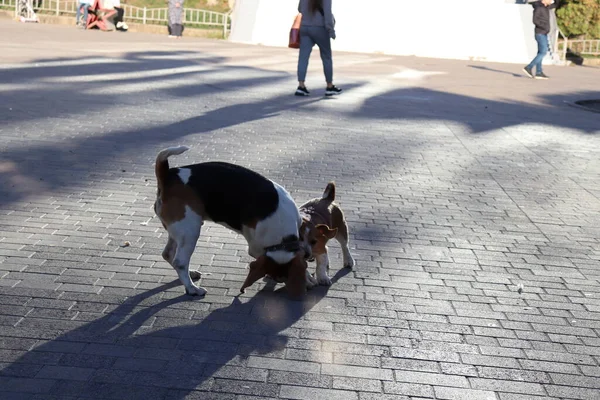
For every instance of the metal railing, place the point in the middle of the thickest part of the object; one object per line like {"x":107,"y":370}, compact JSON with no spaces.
{"x":192,"y":16}
{"x":581,"y":47}
{"x":146,"y":15}
{"x":560,"y":39}
{"x":585,"y":47}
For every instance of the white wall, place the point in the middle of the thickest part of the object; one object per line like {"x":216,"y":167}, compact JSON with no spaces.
{"x":490,"y":30}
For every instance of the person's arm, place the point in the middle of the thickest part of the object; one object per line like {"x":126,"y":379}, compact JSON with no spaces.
{"x":555,"y":4}
{"x":329,"y":21}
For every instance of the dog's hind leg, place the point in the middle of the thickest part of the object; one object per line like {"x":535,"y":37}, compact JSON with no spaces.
{"x":186,"y":233}
{"x":169,"y":254}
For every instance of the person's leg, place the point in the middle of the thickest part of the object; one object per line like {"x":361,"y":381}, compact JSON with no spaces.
{"x":324,"y":42}
{"x":120,"y":13}
{"x":306,"y":45}
{"x":178,"y":29}
{"x":542,"y":42}
{"x":85,"y":15}
{"x":119,"y":20}
{"x":78,"y":13}
{"x":542,"y":51}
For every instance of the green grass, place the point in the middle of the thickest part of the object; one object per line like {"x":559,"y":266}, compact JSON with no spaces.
{"x":221,"y":6}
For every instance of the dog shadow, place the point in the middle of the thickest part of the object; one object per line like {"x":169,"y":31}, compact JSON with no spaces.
{"x":213,"y":353}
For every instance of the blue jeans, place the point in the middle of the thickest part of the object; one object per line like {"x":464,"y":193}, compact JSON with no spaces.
{"x":309,"y":36}
{"x":542,"y":42}
{"x":81,"y":6}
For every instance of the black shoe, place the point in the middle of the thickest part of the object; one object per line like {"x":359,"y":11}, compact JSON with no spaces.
{"x":332,"y":90}
{"x":528,"y":72}
{"x":541,"y":75}
{"x":302,"y":91}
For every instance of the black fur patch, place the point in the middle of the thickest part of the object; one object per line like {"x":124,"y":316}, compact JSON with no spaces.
{"x":232,"y":194}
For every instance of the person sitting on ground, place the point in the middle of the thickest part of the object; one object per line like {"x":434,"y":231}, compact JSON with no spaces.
{"x":82,"y":8}
{"x":117,"y":20}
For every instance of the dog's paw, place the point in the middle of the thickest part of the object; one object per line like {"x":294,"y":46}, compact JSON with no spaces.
{"x":311,"y":282}
{"x":195,"y":275}
{"x":195,"y":291}
{"x":349,"y":263}
{"x":324,"y":280}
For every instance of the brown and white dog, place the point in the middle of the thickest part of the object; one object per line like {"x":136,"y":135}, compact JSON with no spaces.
{"x":294,"y":274}
{"x":235,"y":197}
{"x":324,"y":220}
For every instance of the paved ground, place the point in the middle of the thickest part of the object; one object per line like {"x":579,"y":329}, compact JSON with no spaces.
{"x":473,"y":197}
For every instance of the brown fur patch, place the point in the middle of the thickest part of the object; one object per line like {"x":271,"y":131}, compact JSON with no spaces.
{"x":292,"y":273}
{"x":174,"y":198}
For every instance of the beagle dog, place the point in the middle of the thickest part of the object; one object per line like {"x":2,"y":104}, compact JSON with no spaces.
{"x":230,"y":195}
{"x":322,"y":220}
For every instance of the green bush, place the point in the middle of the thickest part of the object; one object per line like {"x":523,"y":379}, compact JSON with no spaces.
{"x":580,"y":18}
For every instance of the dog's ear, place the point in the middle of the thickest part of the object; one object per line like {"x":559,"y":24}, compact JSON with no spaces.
{"x":296,"y":282}
{"x":325,"y":231}
{"x":257,"y":270}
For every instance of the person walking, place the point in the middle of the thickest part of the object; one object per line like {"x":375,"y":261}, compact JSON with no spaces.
{"x":317,"y":27}
{"x":541,"y":20}
{"x":175,"y":18}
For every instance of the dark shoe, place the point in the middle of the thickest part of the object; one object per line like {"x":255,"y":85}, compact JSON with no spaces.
{"x":302,"y":91}
{"x":528,"y":72}
{"x":541,"y":75}
{"x":330,"y":91}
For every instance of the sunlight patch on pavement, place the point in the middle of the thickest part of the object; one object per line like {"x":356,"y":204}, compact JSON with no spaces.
{"x":377,"y":87}
{"x":154,"y":73}
{"x":65,"y":63}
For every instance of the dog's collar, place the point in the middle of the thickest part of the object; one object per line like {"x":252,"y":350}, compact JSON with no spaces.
{"x":291,"y":247}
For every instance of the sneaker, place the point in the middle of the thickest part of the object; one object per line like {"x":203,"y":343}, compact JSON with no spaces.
{"x":332,"y":90}
{"x":528,"y":72}
{"x":302,"y":91}
{"x":541,"y":75}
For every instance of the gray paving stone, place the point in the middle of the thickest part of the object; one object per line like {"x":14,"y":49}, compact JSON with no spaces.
{"x":283,"y":365}
{"x":450,"y":393}
{"x":571,"y":392}
{"x":307,"y":393}
{"x":507,"y":386}
{"x":358,"y":384}
{"x":300,"y":379}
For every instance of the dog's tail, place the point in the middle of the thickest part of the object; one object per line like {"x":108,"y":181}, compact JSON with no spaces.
{"x":329,"y":193}
{"x":161,"y":169}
